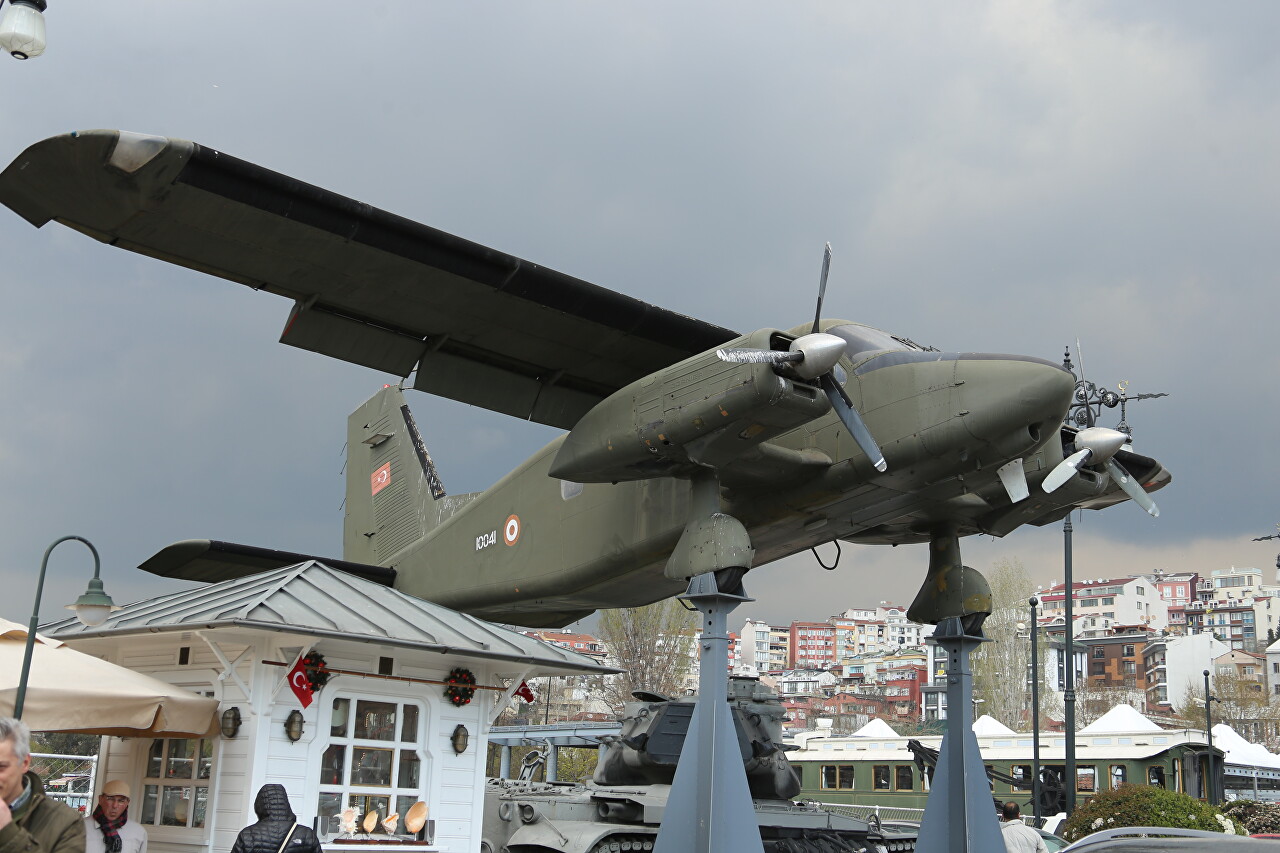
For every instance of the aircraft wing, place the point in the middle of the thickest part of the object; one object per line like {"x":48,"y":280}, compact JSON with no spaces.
{"x":368,"y":287}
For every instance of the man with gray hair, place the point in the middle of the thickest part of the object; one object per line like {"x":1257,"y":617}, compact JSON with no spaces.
{"x":30,"y":822}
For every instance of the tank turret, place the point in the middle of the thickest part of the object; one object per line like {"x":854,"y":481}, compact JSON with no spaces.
{"x":654,"y":730}
{"x":622,"y":807}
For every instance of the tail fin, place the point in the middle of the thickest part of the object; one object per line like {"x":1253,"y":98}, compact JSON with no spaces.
{"x":392,"y":484}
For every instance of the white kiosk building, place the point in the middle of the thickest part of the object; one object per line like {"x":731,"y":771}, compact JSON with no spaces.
{"x":381,"y":733}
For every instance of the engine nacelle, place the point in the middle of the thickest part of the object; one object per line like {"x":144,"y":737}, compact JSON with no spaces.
{"x":701,"y":411}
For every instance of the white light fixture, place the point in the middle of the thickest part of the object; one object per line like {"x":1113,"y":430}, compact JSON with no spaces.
{"x":22,"y":28}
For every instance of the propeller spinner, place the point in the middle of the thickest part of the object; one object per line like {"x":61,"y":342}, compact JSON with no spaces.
{"x":813,"y":357}
{"x":1096,"y":447}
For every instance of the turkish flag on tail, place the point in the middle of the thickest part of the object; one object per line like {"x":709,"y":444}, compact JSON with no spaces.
{"x":525,"y":692}
{"x":299,"y":683}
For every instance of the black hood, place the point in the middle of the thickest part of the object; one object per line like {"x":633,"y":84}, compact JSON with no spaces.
{"x":272,"y":804}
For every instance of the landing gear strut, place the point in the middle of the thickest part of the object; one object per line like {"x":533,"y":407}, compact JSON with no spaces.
{"x":958,"y":816}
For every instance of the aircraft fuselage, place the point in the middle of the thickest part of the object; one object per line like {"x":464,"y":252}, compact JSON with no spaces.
{"x":535,"y":543}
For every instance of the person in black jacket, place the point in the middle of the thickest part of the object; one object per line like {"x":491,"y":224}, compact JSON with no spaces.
{"x":276,"y":822}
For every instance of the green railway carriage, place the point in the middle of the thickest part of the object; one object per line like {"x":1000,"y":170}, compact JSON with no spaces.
{"x":885,"y":772}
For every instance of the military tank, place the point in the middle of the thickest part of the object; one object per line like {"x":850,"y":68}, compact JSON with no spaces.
{"x":622,"y":806}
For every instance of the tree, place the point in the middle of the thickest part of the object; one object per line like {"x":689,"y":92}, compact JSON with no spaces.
{"x":65,"y":743}
{"x":1000,"y":667}
{"x":1242,"y":703}
{"x":1094,"y":699}
{"x":653,"y":645}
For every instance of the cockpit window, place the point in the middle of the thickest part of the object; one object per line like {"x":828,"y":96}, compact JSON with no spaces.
{"x":864,"y":339}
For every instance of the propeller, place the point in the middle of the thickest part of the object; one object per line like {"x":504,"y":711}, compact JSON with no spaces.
{"x":814,"y":357}
{"x":1097,"y":447}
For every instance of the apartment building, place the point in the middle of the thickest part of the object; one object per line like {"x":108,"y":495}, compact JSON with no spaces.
{"x":1175,"y":664}
{"x":1117,"y":660}
{"x":762,"y":648}
{"x":1243,"y":666}
{"x":1234,"y":621}
{"x":581,"y":643}
{"x":1109,"y":603}
{"x":812,"y":645}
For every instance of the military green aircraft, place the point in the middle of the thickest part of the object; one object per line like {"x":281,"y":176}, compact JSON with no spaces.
{"x":690,"y":448}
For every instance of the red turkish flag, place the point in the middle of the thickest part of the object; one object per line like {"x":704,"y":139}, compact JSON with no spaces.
{"x":525,"y":693}
{"x":299,"y":683}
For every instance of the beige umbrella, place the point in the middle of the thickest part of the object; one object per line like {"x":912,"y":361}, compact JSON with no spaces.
{"x":68,"y":691}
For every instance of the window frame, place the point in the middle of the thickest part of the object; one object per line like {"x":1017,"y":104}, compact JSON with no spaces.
{"x":401,"y":756}
{"x":838,"y":776}
{"x":201,"y":778}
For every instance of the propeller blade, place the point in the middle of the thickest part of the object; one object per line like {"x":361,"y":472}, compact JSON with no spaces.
{"x":1131,"y":488}
{"x":1014,"y":478}
{"x":759,"y":356}
{"x":1066,"y":469}
{"x":822,"y":287}
{"x":853,"y":421}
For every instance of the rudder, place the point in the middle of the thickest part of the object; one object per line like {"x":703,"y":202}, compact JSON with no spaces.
{"x":392,"y":484}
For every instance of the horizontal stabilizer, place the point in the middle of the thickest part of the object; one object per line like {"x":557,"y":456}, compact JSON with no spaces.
{"x":209,"y":561}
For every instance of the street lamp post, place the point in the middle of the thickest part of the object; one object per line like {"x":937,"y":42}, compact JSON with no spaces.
{"x":1069,"y":694}
{"x":91,"y":609}
{"x":1035,"y":713}
{"x":1211,"y":783}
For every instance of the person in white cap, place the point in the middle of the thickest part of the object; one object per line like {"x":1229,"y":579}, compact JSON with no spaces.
{"x":108,"y":829}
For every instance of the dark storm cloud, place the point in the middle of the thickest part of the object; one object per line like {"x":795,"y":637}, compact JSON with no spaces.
{"x":1005,"y":176}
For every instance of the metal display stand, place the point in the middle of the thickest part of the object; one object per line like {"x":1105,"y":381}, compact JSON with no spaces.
{"x":959,"y":816}
{"x":710,"y":808}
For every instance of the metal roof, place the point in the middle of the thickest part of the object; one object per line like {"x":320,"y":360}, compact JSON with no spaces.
{"x":313,"y":599}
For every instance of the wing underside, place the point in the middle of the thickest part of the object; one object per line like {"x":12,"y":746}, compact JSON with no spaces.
{"x":369,"y":287}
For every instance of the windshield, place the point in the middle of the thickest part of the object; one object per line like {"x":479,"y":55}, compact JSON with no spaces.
{"x":864,"y":339}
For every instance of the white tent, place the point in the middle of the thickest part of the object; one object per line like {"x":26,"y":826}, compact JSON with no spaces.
{"x":1237,"y":750}
{"x":1121,"y":718}
{"x":876,"y":728}
{"x":989,"y":726}
{"x":68,"y":691}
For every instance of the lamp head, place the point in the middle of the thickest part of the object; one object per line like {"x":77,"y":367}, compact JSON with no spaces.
{"x":93,"y":608}
{"x":22,"y":28}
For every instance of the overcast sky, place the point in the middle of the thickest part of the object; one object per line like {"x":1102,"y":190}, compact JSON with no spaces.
{"x":1005,"y":176}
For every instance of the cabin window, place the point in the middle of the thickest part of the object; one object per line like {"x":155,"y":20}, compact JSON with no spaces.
{"x":903,"y":778}
{"x":175,"y":790}
{"x":1086,"y":779}
{"x":373,"y":761}
{"x":990,"y":781}
{"x":880,"y":777}
{"x":1155,"y":776}
{"x":1021,"y":774}
{"x":1118,"y":777}
{"x":837,"y":777}
{"x":569,"y":489}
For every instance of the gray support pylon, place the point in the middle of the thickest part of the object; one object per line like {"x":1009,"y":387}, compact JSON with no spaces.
{"x":710,"y":808}
{"x":959,"y":816}
{"x":504,"y":762}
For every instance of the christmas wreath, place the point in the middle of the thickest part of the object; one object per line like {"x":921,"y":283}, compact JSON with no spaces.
{"x":317,"y":676}
{"x":460,"y":686}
